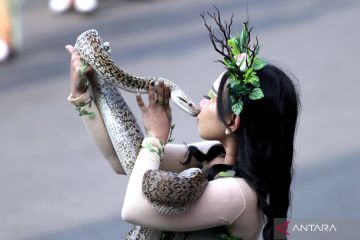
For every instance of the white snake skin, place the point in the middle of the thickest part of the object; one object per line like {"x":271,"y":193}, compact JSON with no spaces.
{"x":125,"y":133}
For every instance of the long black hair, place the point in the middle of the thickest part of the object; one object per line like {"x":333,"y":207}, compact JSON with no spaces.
{"x":266,"y":141}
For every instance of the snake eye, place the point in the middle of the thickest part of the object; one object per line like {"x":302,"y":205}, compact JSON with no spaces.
{"x":106,"y":47}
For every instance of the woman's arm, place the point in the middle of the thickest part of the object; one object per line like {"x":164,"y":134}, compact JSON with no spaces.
{"x":221,"y":203}
{"x":97,"y":130}
{"x":174,"y":153}
{"x":81,"y":94}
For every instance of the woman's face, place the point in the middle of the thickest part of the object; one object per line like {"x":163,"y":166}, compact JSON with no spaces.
{"x":210,"y":127}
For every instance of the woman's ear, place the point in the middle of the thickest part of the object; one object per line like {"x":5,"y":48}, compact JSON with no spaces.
{"x":234,"y":123}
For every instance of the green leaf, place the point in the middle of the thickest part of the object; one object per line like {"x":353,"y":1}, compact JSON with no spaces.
{"x":233,"y":100}
{"x":227,"y":62}
{"x":211,"y":94}
{"x":230,"y":63}
{"x":256,"y":94}
{"x":148,"y":145}
{"x":256,"y":83}
{"x":170,"y":139}
{"x":91,"y":115}
{"x":233,"y":81}
{"x":238,"y":43}
{"x":237,"y":107}
{"x":244,"y":38}
{"x":234,"y":78}
{"x":257,"y":49}
{"x":232,"y":43}
{"x":252,"y":79}
{"x":83,"y":66}
{"x":229,"y":173}
{"x":258,"y":64}
{"x":248,"y":73}
{"x":152,"y":150}
{"x":236,"y":89}
{"x":158,"y":152}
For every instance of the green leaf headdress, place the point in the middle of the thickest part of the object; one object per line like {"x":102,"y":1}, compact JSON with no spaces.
{"x":240,"y":59}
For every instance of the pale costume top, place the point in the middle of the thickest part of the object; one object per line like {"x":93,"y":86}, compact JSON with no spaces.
{"x":228,"y":202}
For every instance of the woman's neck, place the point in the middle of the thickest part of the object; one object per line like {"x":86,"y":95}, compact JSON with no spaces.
{"x":230,"y":146}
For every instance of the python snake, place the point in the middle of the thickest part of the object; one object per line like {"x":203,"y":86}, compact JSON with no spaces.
{"x":126,"y":135}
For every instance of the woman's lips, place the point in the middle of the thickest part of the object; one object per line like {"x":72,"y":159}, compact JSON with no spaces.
{"x":203,"y":103}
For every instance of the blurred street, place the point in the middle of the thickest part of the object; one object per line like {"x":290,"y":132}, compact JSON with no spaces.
{"x":55,"y":185}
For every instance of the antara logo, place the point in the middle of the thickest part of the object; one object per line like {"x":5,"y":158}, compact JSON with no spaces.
{"x":283,"y":227}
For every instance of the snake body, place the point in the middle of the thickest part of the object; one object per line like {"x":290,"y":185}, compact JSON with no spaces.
{"x":92,"y":48}
{"x":126,"y":135}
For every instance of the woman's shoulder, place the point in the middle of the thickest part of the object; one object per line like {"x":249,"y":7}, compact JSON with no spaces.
{"x":247,"y":190}
{"x":239,"y":191}
{"x":248,"y":222}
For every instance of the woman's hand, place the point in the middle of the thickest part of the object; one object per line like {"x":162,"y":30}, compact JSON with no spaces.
{"x":78,"y":75}
{"x":157,"y":115}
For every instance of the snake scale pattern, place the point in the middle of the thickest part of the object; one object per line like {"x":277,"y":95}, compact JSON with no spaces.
{"x":126,"y":135}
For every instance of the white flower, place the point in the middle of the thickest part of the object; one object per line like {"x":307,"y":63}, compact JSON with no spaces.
{"x":241,"y":61}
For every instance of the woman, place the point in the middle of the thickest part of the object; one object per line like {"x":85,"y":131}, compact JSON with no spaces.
{"x":82,"y":6}
{"x":10,"y":28}
{"x":249,"y":165}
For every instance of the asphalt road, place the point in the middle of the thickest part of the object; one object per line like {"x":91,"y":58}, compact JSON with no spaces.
{"x":54,"y":184}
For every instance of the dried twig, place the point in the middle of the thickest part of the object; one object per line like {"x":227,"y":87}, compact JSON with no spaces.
{"x":219,"y":43}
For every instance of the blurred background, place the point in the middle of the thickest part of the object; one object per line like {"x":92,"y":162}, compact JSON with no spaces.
{"x":55,"y":185}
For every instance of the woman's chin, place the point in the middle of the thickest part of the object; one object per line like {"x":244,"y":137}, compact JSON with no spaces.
{"x":201,"y":135}
{"x":204,"y":136}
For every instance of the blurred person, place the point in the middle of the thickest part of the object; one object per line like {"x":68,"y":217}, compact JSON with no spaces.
{"x":10,"y":28}
{"x":83,"y":6}
{"x":248,"y":120}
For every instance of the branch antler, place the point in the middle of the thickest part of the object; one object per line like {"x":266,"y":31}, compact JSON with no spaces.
{"x":219,"y":43}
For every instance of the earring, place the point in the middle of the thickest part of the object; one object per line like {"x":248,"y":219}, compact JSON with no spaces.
{"x":227,"y":131}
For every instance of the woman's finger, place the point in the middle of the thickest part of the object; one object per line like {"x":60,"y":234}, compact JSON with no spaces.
{"x":152,"y":95}
{"x":160,"y":92}
{"x":140,"y":102}
{"x":75,"y":57}
{"x":70,"y":49}
{"x":166,"y":94}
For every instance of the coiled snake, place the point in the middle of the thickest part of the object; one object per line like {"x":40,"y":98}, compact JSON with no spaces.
{"x":126,"y":136}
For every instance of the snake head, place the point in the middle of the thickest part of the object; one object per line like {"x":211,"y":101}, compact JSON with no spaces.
{"x":90,"y":43}
{"x":184,"y":102}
